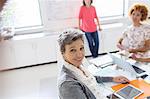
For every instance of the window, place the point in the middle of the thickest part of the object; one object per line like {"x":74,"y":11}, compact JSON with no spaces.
{"x":30,"y":16}
{"x":109,"y":8}
{"x":66,"y":12}
{"x":21,"y":14}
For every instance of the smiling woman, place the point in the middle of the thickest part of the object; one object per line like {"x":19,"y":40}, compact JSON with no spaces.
{"x":75,"y":81}
{"x":136,"y":38}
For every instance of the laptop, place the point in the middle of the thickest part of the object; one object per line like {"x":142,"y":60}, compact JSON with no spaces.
{"x":128,"y":92}
{"x":127,"y":66}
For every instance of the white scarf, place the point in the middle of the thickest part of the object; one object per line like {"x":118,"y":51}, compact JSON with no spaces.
{"x":88,"y":79}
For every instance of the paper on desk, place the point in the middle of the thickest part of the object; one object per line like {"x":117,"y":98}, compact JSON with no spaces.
{"x":113,"y":72}
{"x":102,"y":61}
{"x":147,"y":79}
{"x":107,"y":72}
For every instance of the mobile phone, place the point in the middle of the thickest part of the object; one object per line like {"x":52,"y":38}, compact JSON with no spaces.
{"x":144,"y":76}
{"x":148,"y":97}
{"x":112,"y":96}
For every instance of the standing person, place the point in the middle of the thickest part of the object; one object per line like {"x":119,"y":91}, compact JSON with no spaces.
{"x":136,"y":38}
{"x":87,"y":16}
{"x":75,"y":81}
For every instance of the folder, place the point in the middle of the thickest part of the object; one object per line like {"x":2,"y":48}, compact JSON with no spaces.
{"x":140,"y":84}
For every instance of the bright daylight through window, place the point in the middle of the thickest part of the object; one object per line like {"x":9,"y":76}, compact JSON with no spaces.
{"x":21,"y":14}
{"x":109,"y":8}
{"x":26,"y":14}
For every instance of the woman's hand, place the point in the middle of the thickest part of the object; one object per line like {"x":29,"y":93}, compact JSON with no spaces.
{"x":120,"y":79}
{"x":100,"y":29}
{"x":132,"y":51}
{"x":120,"y":46}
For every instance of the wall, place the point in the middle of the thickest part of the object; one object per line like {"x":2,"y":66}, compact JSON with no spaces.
{"x":32,"y":50}
{"x":36,"y":50}
{"x":17,"y":53}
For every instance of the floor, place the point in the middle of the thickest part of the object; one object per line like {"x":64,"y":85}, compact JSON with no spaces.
{"x":39,"y":82}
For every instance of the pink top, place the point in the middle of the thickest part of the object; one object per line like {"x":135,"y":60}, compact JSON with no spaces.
{"x":87,"y":15}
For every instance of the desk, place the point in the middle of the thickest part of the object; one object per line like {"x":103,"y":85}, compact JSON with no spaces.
{"x":109,"y":71}
{"x":113,"y":71}
{"x":141,"y":84}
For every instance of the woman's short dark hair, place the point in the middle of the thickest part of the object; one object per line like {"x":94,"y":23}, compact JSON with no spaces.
{"x":68,"y":36}
{"x":141,"y":8}
{"x":85,"y":4}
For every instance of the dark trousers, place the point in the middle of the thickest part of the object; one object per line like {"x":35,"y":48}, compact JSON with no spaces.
{"x":93,"y":41}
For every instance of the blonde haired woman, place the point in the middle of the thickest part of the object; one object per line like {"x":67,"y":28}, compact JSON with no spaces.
{"x":136,"y":38}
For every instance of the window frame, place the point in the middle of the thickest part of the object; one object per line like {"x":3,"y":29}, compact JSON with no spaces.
{"x":45,"y":25}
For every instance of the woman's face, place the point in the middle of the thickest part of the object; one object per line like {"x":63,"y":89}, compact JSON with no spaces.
{"x":74,"y":53}
{"x":136,"y":17}
{"x":87,"y":2}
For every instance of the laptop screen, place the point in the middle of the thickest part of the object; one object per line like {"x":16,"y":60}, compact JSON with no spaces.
{"x":122,"y":63}
{"x":127,"y":66}
{"x":138,"y":70}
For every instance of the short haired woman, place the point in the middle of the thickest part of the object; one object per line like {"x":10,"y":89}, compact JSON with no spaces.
{"x":75,"y":81}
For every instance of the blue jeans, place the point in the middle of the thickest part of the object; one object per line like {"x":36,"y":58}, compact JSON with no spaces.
{"x":93,"y":41}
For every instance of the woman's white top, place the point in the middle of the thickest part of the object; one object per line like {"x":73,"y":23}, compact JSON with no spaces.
{"x":134,"y":37}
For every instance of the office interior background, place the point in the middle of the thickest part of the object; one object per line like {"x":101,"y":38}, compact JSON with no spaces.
{"x":32,"y":54}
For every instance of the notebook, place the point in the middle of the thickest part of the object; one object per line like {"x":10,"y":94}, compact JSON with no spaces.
{"x":127,"y":66}
{"x":128,"y":92}
{"x":102,"y":61}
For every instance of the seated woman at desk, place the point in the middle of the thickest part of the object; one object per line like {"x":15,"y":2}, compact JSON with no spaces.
{"x":136,"y":38}
{"x":75,"y":81}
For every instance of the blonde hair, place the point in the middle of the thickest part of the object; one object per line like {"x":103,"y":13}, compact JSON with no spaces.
{"x":141,"y":8}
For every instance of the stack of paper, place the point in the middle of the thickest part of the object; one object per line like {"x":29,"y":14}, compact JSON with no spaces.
{"x":102,"y":61}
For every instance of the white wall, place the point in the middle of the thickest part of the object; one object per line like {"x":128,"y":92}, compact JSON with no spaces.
{"x":25,"y":52}
{"x":42,"y":49}
{"x":28,"y":50}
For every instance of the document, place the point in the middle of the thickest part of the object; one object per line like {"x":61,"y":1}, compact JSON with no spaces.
{"x":102,"y":61}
